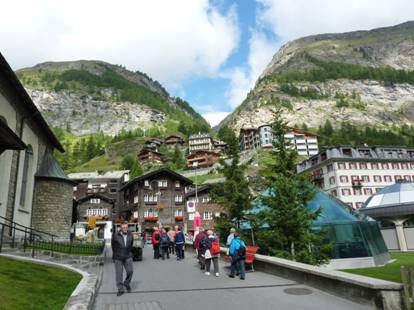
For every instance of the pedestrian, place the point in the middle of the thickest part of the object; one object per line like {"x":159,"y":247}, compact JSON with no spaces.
{"x":121,"y":244}
{"x":212,"y":253}
{"x":200,"y":246}
{"x":171,"y":234}
{"x":179,"y":243}
{"x":164,"y":244}
{"x":156,"y":237}
{"x":238,"y":255}
{"x":230,"y":238}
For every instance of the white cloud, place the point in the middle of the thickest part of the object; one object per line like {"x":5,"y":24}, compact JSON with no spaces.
{"x":214,"y":118}
{"x":169,"y":40}
{"x":279,"y":21}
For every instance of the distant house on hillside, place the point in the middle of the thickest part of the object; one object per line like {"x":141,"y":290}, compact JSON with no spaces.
{"x":34,"y":190}
{"x":153,"y":144}
{"x":148,"y":155}
{"x":203,"y":159}
{"x":174,"y":140}
{"x":200,"y":142}
{"x":220,"y":146}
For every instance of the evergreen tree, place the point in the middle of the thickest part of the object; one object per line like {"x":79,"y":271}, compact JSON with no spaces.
{"x":178,"y":159}
{"x":289,"y":234}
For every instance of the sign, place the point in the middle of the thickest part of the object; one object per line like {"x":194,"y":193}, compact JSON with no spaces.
{"x":190,"y":206}
{"x":96,"y":212}
{"x":136,"y":214}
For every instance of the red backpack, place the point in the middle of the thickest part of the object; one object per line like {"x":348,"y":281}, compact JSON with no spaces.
{"x":215,"y":248}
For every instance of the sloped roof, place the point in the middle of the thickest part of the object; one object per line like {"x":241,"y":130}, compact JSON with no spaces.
{"x":394,"y":195}
{"x":116,"y":174}
{"x":50,"y":169}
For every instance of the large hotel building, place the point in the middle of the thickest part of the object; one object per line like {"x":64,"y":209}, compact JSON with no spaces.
{"x":354,"y":174}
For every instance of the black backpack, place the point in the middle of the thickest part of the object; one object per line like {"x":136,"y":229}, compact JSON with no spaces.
{"x":241,"y":251}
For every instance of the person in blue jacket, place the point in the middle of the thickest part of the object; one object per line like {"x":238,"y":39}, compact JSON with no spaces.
{"x":237,"y":252}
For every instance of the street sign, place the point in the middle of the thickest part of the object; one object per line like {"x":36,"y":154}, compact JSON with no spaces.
{"x":191,"y":206}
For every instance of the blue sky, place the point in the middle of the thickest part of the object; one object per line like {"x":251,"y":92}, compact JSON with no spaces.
{"x":209,"y":52}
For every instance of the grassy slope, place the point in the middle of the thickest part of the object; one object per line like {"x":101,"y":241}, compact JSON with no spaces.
{"x":27,"y":286}
{"x":389,"y":272}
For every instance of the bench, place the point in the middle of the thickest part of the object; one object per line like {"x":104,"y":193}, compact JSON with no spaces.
{"x":250,"y":256}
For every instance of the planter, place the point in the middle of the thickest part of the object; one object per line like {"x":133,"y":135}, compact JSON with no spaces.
{"x":151,"y":218}
{"x":179,"y":218}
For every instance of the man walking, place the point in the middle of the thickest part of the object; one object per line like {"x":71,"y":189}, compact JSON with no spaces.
{"x":122,"y":256}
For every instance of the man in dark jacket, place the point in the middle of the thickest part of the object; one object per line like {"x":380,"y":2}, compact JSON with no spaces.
{"x":122,"y":255}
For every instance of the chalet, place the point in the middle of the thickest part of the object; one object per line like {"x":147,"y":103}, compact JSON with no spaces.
{"x":202,"y":159}
{"x":207,"y":209}
{"x":97,"y":205}
{"x":173,"y":140}
{"x":220,"y":146}
{"x":156,"y":198}
{"x":35,"y":192}
{"x":150,"y":155}
{"x":107,"y":184}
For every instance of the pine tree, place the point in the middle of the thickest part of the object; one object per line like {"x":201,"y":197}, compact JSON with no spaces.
{"x":289,"y":234}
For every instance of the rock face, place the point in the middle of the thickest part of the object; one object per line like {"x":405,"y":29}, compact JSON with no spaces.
{"x":367,"y":102}
{"x":83,"y":114}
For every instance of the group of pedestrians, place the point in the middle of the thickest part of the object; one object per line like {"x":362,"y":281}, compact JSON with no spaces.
{"x":207,"y":246}
{"x":168,"y":242}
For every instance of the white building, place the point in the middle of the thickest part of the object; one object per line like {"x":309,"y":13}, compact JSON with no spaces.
{"x":200,"y":141}
{"x":354,"y":174}
{"x":305,"y":143}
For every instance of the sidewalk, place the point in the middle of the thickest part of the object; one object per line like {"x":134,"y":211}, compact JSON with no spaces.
{"x":180,"y":285}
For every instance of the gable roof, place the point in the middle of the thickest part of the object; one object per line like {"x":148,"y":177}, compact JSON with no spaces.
{"x":11,"y":80}
{"x":50,"y":169}
{"x":156,"y":173}
{"x":200,"y":189}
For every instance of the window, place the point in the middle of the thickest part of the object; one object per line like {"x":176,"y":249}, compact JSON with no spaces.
{"x":385,"y":166}
{"x":363,"y":166}
{"x":357,"y":192}
{"x":27,"y":166}
{"x":407,"y":178}
{"x":95,"y":200}
{"x":359,"y":204}
{"x":178,"y":198}
{"x":205,"y":199}
{"x":378,"y":189}
{"x":397,"y":178}
{"x":177,"y":184}
{"x":191,"y":216}
{"x":342,"y":166}
{"x":367,"y":191}
{"x":395,"y":166}
{"x":146,"y":183}
{"x":374,"y":166}
{"x":365,"y":178}
{"x":346,"y":192}
{"x":332,"y":180}
{"x":387,"y":178}
{"x":75,"y":188}
{"x":353,"y":166}
{"x":113,"y":190}
{"x":135,"y":199}
{"x":178,"y":213}
{"x":334,"y":193}
{"x":377,"y":178}
{"x":343,"y":179}
{"x":404,"y":166}
{"x":330,"y":168}
{"x":354,"y":178}
{"x":207,"y":215}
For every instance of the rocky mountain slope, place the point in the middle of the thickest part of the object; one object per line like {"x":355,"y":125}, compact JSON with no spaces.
{"x":86,"y":97}
{"x":365,"y":78}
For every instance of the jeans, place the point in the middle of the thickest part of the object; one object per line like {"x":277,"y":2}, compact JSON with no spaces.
{"x":156,"y":251}
{"x":237,"y":264}
{"x":164,"y":250}
{"x":215,"y":263}
{"x":180,"y":250}
{"x":172,"y":248}
{"x":119,"y":268}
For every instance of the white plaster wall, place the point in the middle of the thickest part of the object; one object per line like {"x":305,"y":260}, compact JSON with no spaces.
{"x":22,"y":214}
{"x":8,"y":112}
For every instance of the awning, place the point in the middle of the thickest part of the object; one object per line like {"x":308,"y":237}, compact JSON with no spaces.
{"x":9,"y":140}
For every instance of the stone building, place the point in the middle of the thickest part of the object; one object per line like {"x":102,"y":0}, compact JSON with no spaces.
{"x":26,"y":147}
{"x":156,"y":198}
{"x":208,"y":210}
{"x":98,"y":190}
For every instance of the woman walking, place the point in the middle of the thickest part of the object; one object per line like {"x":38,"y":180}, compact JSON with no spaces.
{"x":212,"y":253}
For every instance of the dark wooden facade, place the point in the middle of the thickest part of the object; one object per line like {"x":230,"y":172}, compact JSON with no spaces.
{"x":203,"y":158}
{"x":156,"y":198}
{"x":149,"y":155}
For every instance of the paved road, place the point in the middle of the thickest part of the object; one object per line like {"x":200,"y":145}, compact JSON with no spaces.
{"x":180,"y":285}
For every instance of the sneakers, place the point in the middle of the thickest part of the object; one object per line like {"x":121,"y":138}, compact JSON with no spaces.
{"x":128,"y":288}
{"x":120,"y":293}
{"x":231,"y":276}
{"x":207,"y":273}
{"x":217,"y":274}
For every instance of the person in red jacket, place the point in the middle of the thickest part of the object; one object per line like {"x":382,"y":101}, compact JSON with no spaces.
{"x":156,"y":237}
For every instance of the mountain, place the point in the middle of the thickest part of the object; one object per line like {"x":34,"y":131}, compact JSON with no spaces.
{"x":361,"y":78}
{"x":86,"y":97}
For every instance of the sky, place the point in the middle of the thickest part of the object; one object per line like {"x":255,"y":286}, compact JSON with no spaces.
{"x":209,"y":53}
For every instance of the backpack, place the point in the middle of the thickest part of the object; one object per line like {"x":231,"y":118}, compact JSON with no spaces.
{"x":164,"y":238}
{"x":215,"y":248}
{"x":241,"y":251}
{"x":157,"y":237}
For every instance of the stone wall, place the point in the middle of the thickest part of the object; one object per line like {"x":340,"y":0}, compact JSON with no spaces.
{"x":52,"y":207}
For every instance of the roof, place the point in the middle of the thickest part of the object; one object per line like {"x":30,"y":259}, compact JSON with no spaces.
{"x":96,"y":195}
{"x":26,"y":102}
{"x":155,"y":173}
{"x":50,"y":169}
{"x":215,"y":181}
{"x":200,"y":189}
{"x":117,"y":174}
{"x":394,"y":195}
{"x":9,"y":140}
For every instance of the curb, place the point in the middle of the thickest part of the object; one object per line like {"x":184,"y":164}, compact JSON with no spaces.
{"x":83,"y":297}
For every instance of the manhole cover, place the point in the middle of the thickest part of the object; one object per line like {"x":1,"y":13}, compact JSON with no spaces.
{"x":297,"y":291}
